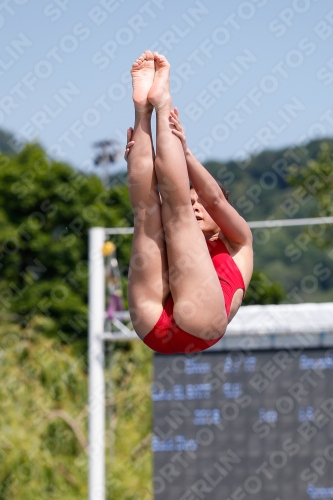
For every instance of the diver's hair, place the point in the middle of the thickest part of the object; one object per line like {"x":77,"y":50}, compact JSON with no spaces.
{"x":225,"y":192}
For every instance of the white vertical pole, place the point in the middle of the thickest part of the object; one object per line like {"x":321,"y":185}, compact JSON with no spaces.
{"x":96,"y":365}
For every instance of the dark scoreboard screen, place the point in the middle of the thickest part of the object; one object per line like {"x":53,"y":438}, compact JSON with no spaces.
{"x":234,"y":426}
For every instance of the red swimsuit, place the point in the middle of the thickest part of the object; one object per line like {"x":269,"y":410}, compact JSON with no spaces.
{"x":166,"y":337}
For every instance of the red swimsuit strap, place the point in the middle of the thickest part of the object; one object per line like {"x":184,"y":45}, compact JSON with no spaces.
{"x":224,"y":264}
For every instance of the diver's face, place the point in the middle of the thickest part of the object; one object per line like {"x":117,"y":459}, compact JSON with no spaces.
{"x":207,"y":225}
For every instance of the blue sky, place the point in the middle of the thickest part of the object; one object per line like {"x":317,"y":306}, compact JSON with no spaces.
{"x":246,"y":76}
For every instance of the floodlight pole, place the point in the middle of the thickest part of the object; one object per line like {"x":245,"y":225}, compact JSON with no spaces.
{"x":96,"y":365}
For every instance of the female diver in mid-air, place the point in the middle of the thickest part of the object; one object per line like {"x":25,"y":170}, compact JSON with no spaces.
{"x":192,"y":258}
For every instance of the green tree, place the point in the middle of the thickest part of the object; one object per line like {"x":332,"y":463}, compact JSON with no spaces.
{"x":46,"y":208}
{"x":262,"y":291}
{"x":316,"y":178}
{"x":43,"y":443}
{"x":316,"y":181}
{"x":43,"y":397}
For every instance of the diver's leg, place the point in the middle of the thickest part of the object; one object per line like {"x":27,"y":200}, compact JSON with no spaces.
{"x":148,"y":283}
{"x":198,"y":299}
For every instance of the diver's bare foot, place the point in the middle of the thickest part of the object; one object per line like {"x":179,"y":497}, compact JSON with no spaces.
{"x":159,"y":94}
{"x":143,"y":71}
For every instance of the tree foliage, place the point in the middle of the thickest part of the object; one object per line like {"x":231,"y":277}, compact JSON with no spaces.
{"x":260,"y":186}
{"x":43,"y":443}
{"x":46,"y":209}
{"x":316,"y":180}
{"x":262,"y":291}
{"x":43,"y":418}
